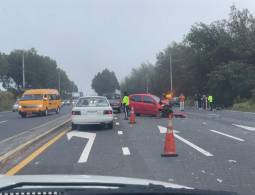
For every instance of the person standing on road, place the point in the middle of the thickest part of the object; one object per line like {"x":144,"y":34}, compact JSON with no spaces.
{"x":196,"y":101}
{"x":210,"y":100}
{"x":181,"y":99}
{"x":125,"y":103}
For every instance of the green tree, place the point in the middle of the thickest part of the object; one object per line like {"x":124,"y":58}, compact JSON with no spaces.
{"x":105,"y":82}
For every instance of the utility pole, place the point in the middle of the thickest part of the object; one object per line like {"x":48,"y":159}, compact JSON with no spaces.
{"x":171,"y":73}
{"x":59,"y":80}
{"x":147,"y":85}
{"x":23,"y":71}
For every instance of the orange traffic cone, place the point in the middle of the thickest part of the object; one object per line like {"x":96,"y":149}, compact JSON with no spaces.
{"x":169,"y":148}
{"x":132,"y":116}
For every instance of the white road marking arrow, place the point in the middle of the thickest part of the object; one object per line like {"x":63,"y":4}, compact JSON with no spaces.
{"x":91,"y":138}
{"x":245,"y":127}
{"x":164,"y":129}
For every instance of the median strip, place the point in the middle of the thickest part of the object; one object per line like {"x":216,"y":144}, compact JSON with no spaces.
{"x":4,"y":159}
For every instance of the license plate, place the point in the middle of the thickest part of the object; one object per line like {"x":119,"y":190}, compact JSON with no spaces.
{"x":91,"y":112}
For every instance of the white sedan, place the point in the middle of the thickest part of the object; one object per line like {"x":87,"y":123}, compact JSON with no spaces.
{"x":92,"y":110}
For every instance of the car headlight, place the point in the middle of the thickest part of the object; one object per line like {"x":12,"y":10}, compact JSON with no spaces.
{"x":20,"y":106}
{"x":40,"y":106}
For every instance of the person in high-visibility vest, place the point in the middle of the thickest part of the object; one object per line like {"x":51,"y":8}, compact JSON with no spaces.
{"x":181,"y":100}
{"x":210,"y":100}
{"x":125,"y":103}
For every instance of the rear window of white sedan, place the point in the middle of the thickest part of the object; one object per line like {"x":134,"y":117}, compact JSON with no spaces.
{"x":92,"y":102}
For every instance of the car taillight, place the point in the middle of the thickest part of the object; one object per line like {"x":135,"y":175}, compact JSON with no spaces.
{"x":76,"y":112}
{"x":108,"y":112}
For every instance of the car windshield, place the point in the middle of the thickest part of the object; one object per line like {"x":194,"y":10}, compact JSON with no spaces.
{"x":113,"y":96}
{"x":32,"y":97}
{"x":156,"y":98}
{"x":92,"y":102}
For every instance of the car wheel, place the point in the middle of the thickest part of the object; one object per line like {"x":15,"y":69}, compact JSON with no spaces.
{"x":23,"y":115}
{"x":137,"y":114}
{"x":57,"y":110}
{"x":45,"y":113}
{"x":119,"y":110}
{"x":74,"y":126}
{"x":110,"y":125}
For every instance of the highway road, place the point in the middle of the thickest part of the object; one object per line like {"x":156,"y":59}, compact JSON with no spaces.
{"x":12,"y":124}
{"x":215,"y":150}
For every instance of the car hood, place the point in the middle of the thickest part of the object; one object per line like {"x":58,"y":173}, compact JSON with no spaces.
{"x":10,"y":180}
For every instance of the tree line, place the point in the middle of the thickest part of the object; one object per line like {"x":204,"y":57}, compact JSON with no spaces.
{"x":216,"y":58}
{"x":105,"y":82}
{"x":40,"y":72}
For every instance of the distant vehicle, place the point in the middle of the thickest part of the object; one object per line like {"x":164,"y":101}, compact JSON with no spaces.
{"x":115,"y":101}
{"x":40,"y":102}
{"x":67,"y":102}
{"x":15,"y":106}
{"x":148,"y":104}
{"x":92,"y":110}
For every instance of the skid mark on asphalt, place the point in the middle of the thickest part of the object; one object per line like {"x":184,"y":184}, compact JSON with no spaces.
{"x":245,"y":127}
{"x":125,"y":151}
{"x":227,"y":135}
{"x":199,"y":149}
{"x":1,"y":122}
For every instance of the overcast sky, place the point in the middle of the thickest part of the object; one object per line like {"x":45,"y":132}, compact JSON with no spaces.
{"x":86,"y":36}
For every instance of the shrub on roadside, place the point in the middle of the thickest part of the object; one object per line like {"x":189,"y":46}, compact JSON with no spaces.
{"x":6,"y":100}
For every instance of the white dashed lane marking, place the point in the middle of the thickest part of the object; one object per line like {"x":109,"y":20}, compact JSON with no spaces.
{"x":245,"y":127}
{"x":227,"y":135}
{"x":120,"y":132}
{"x":1,"y":122}
{"x":117,"y":123}
{"x":125,"y":151}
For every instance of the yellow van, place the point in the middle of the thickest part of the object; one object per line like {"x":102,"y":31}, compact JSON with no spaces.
{"x":40,"y":102}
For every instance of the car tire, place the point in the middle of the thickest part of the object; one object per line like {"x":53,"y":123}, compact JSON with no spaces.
{"x":74,"y":126}
{"x":119,"y":110}
{"x":57,"y":110}
{"x":45,"y":113}
{"x":23,"y":115}
{"x":110,"y":125}
{"x":137,"y":114}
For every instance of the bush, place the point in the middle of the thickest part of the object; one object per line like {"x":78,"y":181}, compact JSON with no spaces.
{"x":247,"y":106}
{"x":6,"y":100}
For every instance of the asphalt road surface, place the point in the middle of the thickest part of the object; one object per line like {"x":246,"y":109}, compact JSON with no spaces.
{"x":11,"y":123}
{"x":216,"y":150}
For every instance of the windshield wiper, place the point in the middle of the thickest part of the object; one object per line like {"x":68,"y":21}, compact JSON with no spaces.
{"x":76,"y":188}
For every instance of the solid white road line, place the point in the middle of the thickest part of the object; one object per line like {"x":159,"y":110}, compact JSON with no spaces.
{"x":193,"y":146}
{"x":120,"y":132}
{"x":2,"y":122}
{"x":245,"y":127}
{"x":163,"y":129}
{"x":227,"y":135}
{"x":85,"y":153}
{"x":125,"y":151}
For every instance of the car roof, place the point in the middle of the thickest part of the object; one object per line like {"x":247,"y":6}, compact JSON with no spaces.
{"x":94,"y":96}
{"x":41,"y":91}
{"x":140,"y":94}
